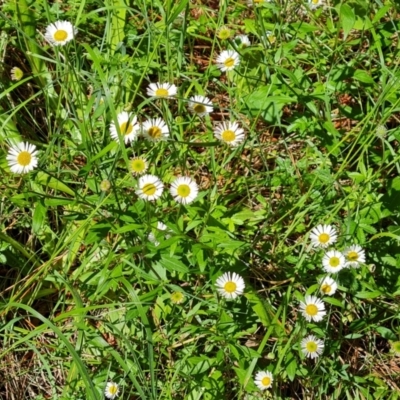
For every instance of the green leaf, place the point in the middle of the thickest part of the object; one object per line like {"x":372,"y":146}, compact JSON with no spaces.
{"x":386,"y":333}
{"x":358,"y":324}
{"x":180,"y":6}
{"x":363,"y":76}
{"x":21,"y":199}
{"x":200,"y":364}
{"x":354,"y":336}
{"x":304,"y":27}
{"x":291,"y":367}
{"x":369,"y":295}
{"x":333,"y":301}
{"x":99,"y":342}
{"x":116,"y":33}
{"x":381,"y":12}
{"x":103,"y":152}
{"x":8,"y":129}
{"x":241,"y":375}
{"x":173,"y":264}
{"x":250,"y":26}
{"x":48,"y":181}
{"x":368,"y":228}
{"x":264,"y":101}
{"x":260,"y":307}
{"x":347,"y":18}
{"x":39,"y":216}
{"x":58,"y":201}
{"x":128,"y":228}
{"x":230,"y":245}
{"x":395,"y":184}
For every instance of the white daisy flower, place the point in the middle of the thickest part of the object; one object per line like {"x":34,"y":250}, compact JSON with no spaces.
{"x":127,"y":125}
{"x":243,"y":40}
{"x":160,"y":227}
{"x":22,"y":158}
{"x":315,"y":3}
{"x":312,"y":347}
{"x":229,"y":133}
{"x":333,"y":261}
{"x":228,"y":60}
{"x":263,"y":380}
{"x":200,"y":105}
{"x":328,"y":286}
{"x":163,"y":90}
{"x":155,"y":129}
{"x":184,"y":190}
{"x":355,"y":256}
{"x":313,"y":309}
{"x":60,"y":33}
{"x":111,"y":391}
{"x":230,"y":285}
{"x":138,"y":165}
{"x":149,"y":187}
{"x":16,"y":74}
{"x":323,"y":236}
{"x":152,"y":238}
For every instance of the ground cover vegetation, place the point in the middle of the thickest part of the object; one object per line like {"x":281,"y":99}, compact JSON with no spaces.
{"x":199,"y":199}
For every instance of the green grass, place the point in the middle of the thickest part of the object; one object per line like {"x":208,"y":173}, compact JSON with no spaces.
{"x":86,"y":296}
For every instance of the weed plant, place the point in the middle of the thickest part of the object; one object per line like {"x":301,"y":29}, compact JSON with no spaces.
{"x":199,"y":199}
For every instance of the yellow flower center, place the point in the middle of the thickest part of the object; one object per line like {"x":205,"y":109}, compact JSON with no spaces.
{"x":177,"y":297}
{"x":323,"y":238}
{"x":24,"y":158}
{"x":228,"y":136}
{"x":326,"y":288}
{"x":183,"y":190}
{"x":154,"y":132}
{"x":199,"y":108}
{"x":224,"y":33}
{"x":149,"y":189}
{"x":138,"y":165}
{"x":266,"y":381}
{"x":126,"y":128}
{"x":113,"y":389}
{"x":352,"y":256}
{"x":230,"y":287}
{"x":315,"y":1}
{"x":396,"y":346}
{"x":16,"y":74}
{"x":312,"y":310}
{"x":334,"y":262}
{"x":161,"y":92}
{"x":105,"y":185}
{"x":311,"y":347}
{"x":60,"y":35}
{"x":229,"y":62}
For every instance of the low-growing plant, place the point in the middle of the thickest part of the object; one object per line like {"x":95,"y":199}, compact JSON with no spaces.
{"x":199,"y":199}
